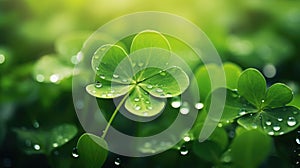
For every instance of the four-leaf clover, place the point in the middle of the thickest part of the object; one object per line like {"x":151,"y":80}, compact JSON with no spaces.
{"x":144,"y":78}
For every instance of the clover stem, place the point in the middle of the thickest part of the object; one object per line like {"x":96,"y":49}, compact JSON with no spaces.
{"x":114,"y":115}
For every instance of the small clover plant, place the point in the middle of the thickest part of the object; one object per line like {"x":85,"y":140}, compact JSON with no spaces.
{"x":144,"y":78}
{"x":254,"y":106}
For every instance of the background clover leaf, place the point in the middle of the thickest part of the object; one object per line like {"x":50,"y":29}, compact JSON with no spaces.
{"x":43,"y":141}
{"x":145,"y":74}
{"x":263,"y":108}
{"x":92,"y":151}
{"x":252,"y":86}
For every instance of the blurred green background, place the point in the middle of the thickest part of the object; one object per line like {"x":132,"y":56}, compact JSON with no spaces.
{"x":39,"y":40}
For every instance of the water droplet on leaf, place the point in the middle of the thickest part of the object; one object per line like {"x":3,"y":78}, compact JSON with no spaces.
{"x":184,"y":109}
{"x":199,"y":106}
{"x":291,"y":121}
{"x":187,"y":138}
{"x":176,"y":103}
{"x":159,"y":90}
{"x":36,"y":124}
{"x":117,"y":161}
{"x":276,"y":127}
{"x":37,"y":147}
{"x":115,"y":76}
{"x":98,"y":84}
{"x":268,"y":122}
{"x":55,"y":145}
{"x":184,"y":150}
{"x":136,"y":99}
{"x":75,"y":153}
{"x":279,"y":119}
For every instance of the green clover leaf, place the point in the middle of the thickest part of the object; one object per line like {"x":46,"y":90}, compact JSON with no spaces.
{"x":255,"y":106}
{"x":144,"y":77}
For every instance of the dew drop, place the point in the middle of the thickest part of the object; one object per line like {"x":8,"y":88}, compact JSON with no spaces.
{"x":159,"y":90}
{"x":136,"y":99}
{"x":163,"y":73}
{"x":117,"y":161}
{"x":40,"y":78}
{"x":268,"y":123}
{"x":276,"y":127}
{"x":75,"y":153}
{"x":187,"y":138}
{"x":295,"y":112}
{"x":145,"y":114}
{"x":54,"y":78}
{"x":37,"y":147}
{"x":271,"y":133}
{"x":140,"y":64}
{"x":115,"y":76}
{"x":199,"y":106}
{"x":149,"y":86}
{"x":137,"y":107}
{"x":55,"y":145}
{"x":147,"y":102}
{"x":149,"y":107}
{"x":124,"y":80}
{"x":291,"y":121}
{"x":176,"y":103}
{"x":98,"y":84}
{"x":102,"y":76}
{"x":183,"y":150}
{"x":262,"y":101}
{"x":279,"y":119}
{"x":184,"y":109}
{"x":298,"y":141}
{"x":220,"y":125}
{"x":2,"y":58}
{"x":254,"y":125}
{"x":36,"y":124}
{"x":242,"y":112}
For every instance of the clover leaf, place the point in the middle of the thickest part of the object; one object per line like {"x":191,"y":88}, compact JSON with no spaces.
{"x":254,"y":106}
{"x":144,"y":77}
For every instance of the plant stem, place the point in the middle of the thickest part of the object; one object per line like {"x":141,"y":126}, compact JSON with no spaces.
{"x":114,"y":115}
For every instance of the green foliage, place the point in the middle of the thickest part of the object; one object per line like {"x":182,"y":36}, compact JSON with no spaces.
{"x":44,"y":141}
{"x":92,"y":151}
{"x":250,"y":149}
{"x":257,"y":107}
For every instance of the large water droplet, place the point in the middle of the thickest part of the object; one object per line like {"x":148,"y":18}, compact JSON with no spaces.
{"x":187,"y":138}
{"x":268,"y":122}
{"x":184,"y":150}
{"x":117,"y":161}
{"x":291,"y":121}
{"x":176,"y":103}
{"x":199,"y":106}
{"x":98,"y":84}
{"x":55,"y":145}
{"x":54,"y":78}
{"x":75,"y":153}
{"x":36,"y":147}
{"x":184,"y":109}
{"x":276,"y":127}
